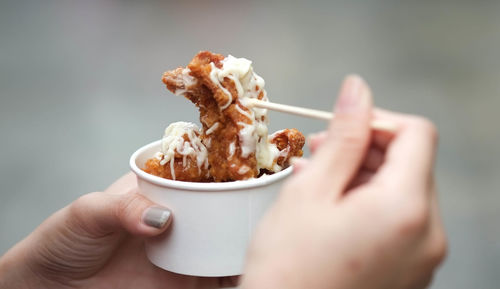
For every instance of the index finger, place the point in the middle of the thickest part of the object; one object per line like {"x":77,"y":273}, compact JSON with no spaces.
{"x":411,"y":152}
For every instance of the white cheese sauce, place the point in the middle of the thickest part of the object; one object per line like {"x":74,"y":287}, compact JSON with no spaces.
{"x":173,"y":142}
{"x":252,"y":135}
{"x":212,"y":128}
{"x":186,"y":81}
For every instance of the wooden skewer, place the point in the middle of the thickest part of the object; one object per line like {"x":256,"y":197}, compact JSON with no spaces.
{"x":377,"y":124}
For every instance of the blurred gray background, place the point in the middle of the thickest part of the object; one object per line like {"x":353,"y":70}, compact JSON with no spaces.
{"x":80,"y":90}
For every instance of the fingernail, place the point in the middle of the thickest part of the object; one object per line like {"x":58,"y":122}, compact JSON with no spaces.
{"x":354,"y":94}
{"x":156,"y":217}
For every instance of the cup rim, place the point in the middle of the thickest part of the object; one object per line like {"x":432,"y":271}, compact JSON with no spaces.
{"x":197,"y":186}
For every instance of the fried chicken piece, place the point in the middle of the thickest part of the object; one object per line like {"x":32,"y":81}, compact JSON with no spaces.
{"x":289,"y":143}
{"x":229,"y":127}
{"x":183,"y":156}
{"x":187,"y":173}
{"x":234,"y":135}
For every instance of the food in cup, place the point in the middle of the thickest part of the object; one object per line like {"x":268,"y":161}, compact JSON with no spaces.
{"x":199,"y":166}
{"x":183,"y":155}
{"x":289,"y":143}
{"x":233,"y":143}
{"x":213,"y":222}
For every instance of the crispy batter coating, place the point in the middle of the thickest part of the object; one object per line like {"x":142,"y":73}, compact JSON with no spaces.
{"x":189,"y":173}
{"x":181,"y":166}
{"x":223,"y":118}
{"x":289,"y":142}
{"x":226,"y":164}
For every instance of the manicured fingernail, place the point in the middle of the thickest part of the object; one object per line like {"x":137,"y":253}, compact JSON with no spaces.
{"x":354,"y":94}
{"x":156,"y":217}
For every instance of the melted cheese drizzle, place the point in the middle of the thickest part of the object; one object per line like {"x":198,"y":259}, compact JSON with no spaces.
{"x":232,"y":148}
{"x":186,"y":81}
{"x":173,"y":142}
{"x":212,"y":128}
{"x":243,"y":170}
{"x":252,"y":135}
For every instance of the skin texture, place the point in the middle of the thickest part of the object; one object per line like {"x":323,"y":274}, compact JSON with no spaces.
{"x":95,"y":242}
{"x":361,"y":213}
{"x":370,"y":217}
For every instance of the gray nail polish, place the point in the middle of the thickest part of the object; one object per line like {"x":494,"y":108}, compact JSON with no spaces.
{"x":156,"y":217}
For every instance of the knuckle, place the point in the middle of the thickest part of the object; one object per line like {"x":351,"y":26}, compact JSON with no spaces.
{"x":414,"y":220}
{"x":81,"y":208}
{"x":124,"y":204}
{"x":127,"y":204}
{"x":85,"y":202}
{"x":438,"y":249}
{"x":425,"y":126}
{"x":352,"y":138}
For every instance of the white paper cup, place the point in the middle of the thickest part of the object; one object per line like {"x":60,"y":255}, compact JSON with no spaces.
{"x":212,"y":222}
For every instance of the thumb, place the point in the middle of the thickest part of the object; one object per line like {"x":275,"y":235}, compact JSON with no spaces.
{"x":102,"y":213}
{"x":339,"y":157}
